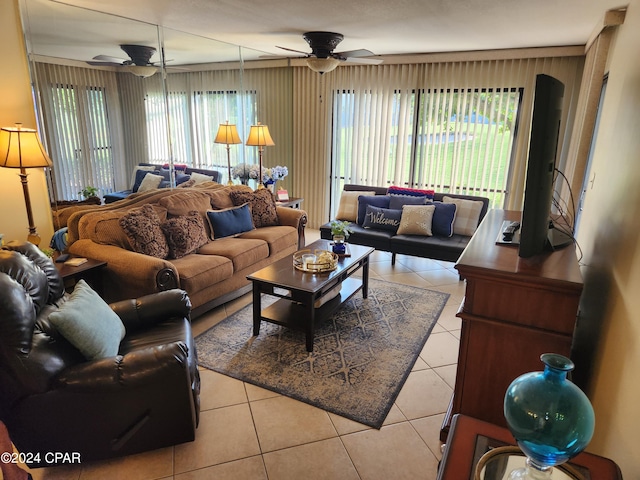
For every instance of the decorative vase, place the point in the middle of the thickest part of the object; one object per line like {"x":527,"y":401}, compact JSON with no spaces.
{"x":339,"y":246}
{"x":550,"y":417}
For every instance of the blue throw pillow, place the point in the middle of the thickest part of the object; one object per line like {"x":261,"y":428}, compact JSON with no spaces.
{"x":381,"y":201}
{"x":89,"y":324}
{"x":443,"y":218}
{"x":140,"y":174}
{"x":396,"y":202}
{"x":182,"y":177}
{"x":382,"y":218}
{"x":230,"y":221}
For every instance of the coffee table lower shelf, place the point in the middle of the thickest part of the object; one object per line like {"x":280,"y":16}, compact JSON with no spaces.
{"x":292,"y":314}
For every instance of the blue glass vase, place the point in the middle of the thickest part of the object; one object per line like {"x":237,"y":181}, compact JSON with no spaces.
{"x":550,"y":417}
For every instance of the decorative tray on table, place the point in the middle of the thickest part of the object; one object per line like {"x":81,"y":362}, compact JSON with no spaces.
{"x":316,"y":261}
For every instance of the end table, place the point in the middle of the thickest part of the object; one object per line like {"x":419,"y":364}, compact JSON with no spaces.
{"x":88,"y":271}
{"x":470,"y":438}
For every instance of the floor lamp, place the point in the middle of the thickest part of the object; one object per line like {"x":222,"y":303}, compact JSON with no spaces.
{"x":259,"y":137}
{"x":228,"y":134}
{"x":21,"y":148}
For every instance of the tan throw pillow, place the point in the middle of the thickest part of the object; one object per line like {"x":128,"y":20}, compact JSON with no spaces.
{"x":467,"y":215}
{"x":348,"y":207}
{"x":184,"y":234}
{"x":200,"y":178}
{"x":151,"y":181}
{"x":143,"y":230}
{"x":262,"y":204}
{"x":416,"y":220}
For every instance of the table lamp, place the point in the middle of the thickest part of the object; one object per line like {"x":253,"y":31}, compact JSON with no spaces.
{"x":21,"y":148}
{"x":228,"y":134}
{"x":259,"y":136}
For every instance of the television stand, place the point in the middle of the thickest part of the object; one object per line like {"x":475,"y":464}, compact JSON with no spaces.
{"x":514,"y":310}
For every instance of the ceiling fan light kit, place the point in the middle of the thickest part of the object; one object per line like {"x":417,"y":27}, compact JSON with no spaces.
{"x":322,"y":65}
{"x":141,"y":71}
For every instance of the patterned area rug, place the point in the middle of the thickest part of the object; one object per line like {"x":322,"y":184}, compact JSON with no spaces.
{"x":360,"y":360}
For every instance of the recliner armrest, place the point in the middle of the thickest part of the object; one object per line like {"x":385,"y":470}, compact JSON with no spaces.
{"x":136,"y":368}
{"x":151,"y":309}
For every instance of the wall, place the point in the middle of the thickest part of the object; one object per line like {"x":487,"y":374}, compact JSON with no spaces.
{"x":16,"y":105}
{"x":610,"y":240}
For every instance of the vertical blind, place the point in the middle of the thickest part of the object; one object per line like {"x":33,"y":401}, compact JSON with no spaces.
{"x":83,"y":142}
{"x":401,"y":118}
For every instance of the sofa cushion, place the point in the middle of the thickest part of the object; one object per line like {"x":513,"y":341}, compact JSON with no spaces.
{"x":182,"y":202}
{"x":198,"y":272}
{"x":201,"y":178}
{"x":104,"y":227}
{"x":151,"y":181}
{"x":279,"y":238}
{"x":220,"y":198}
{"x":262,"y":204}
{"x":348,"y":207}
{"x":243,"y":252}
{"x":88,"y":323}
{"x":443,"y":219}
{"x":416,"y":220}
{"x":413,"y":192}
{"x":230,"y":221}
{"x":143,"y":230}
{"x":381,"y":201}
{"x":382,"y":218}
{"x":139,"y":173}
{"x":186,"y":184}
{"x":396,"y":202}
{"x":467,"y":215}
{"x":184,"y":234}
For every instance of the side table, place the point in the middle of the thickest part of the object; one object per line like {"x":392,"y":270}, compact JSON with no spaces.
{"x":88,"y":271}
{"x":470,"y":438}
{"x":293,"y":202}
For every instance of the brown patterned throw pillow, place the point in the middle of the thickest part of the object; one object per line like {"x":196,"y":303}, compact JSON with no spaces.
{"x":184,"y":234}
{"x":143,"y":230}
{"x":262,"y":204}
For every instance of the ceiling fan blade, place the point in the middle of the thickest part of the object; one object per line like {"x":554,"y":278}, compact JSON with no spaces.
{"x":363,"y":61}
{"x":292,"y":50}
{"x":356,"y":53}
{"x":104,"y":64}
{"x":107,"y":58}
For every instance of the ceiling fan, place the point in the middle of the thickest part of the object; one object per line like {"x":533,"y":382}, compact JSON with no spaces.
{"x":323,"y":59}
{"x":139,"y":60}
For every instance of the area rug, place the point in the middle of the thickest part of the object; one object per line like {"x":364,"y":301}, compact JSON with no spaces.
{"x":360,"y":360}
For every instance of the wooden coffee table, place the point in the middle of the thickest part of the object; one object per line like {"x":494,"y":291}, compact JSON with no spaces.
{"x":299,"y":291}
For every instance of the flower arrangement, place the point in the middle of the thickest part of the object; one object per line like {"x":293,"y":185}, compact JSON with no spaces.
{"x":245,"y":172}
{"x":340,"y":227}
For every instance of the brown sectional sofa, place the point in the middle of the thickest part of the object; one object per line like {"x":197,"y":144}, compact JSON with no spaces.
{"x":213,"y":274}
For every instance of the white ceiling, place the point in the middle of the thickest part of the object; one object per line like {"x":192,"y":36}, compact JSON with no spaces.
{"x":385,"y":27}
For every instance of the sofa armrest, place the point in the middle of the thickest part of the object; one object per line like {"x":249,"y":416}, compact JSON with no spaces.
{"x":128,"y":274}
{"x":294,"y":217}
{"x":143,"y":312}
{"x":122,"y":372}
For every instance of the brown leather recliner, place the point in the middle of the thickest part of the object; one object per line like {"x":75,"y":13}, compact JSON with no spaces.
{"x":53,"y":399}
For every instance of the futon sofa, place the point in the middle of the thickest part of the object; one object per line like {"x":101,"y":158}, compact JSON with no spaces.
{"x":89,"y":380}
{"x":182,"y":174}
{"x":444,"y":238}
{"x":204,"y":239}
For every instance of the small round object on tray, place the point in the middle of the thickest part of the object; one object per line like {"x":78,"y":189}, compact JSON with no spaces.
{"x":316,"y":261}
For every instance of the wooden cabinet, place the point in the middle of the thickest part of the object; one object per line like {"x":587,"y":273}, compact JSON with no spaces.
{"x":514,"y":310}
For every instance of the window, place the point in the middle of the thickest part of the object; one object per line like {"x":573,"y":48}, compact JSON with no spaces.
{"x":83,"y":143}
{"x":454,"y":141}
{"x":193,"y":121}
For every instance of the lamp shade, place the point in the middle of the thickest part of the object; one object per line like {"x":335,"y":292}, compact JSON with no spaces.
{"x":21,"y":148}
{"x":227,"y":134}
{"x":143,"y":71}
{"x":259,"y":136}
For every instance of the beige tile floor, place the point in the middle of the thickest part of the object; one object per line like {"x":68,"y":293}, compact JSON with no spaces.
{"x":249,"y":433}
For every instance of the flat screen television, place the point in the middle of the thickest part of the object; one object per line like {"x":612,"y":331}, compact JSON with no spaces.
{"x":543,"y":145}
